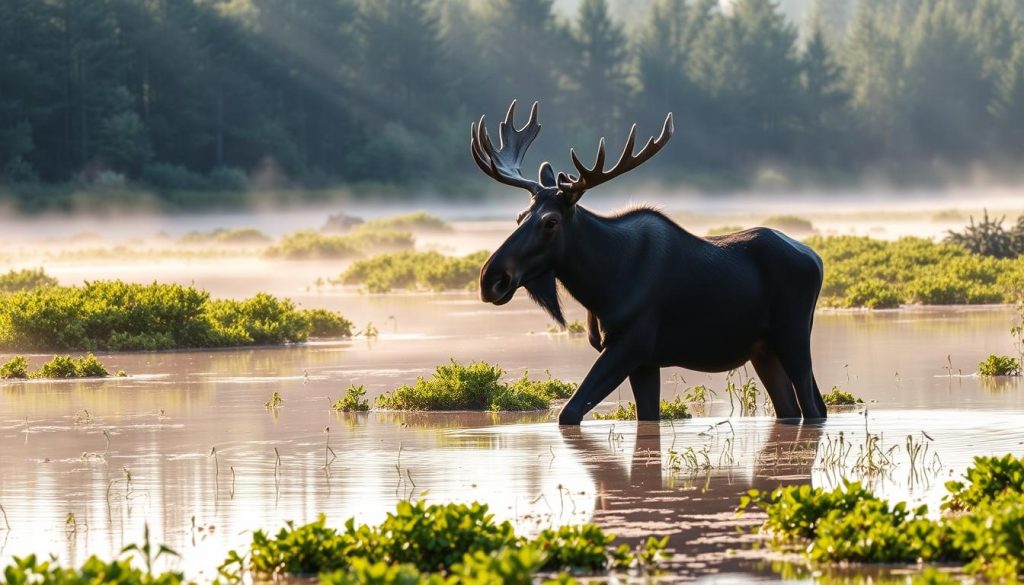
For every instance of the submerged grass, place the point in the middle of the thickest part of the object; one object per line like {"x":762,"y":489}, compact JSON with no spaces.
{"x":850,"y":523}
{"x":674,"y":409}
{"x":114,"y":315}
{"x":477,"y":386}
{"x":415,"y":271}
{"x":877,"y":274}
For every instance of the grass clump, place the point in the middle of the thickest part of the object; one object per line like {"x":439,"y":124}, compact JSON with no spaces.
{"x":421,"y":543}
{"x":417,"y":221}
{"x":839,"y":397}
{"x":415,"y":271}
{"x":986,"y":532}
{"x":114,"y":315}
{"x":863,"y":272}
{"x":309,"y":245}
{"x":477,"y":386}
{"x":227,"y":236}
{"x":999,"y":365}
{"x":26,"y":279}
{"x":15,"y":368}
{"x":674,"y":409}
{"x":789,"y":223}
{"x":352,"y":401}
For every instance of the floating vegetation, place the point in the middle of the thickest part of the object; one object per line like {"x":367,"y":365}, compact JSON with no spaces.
{"x":352,"y":401}
{"x":674,"y":409}
{"x":999,"y":365}
{"x":275,"y":401}
{"x":115,"y":315}
{"x":61,"y":366}
{"x":421,"y":543}
{"x":850,"y":523}
{"x":415,"y":271}
{"x":863,"y":272}
{"x":839,"y":397}
{"x":477,"y":386}
{"x":310,"y":245}
{"x":27,"y":279}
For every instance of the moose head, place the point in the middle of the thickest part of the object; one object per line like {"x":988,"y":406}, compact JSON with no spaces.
{"x":533,"y":253}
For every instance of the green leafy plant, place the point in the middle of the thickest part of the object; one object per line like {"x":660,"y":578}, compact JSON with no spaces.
{"x":26,"y":279}
{"x":352,"y":401}
{"x":309,"y":245}
{"x":985,"y":480}
{"x":999,"y":365}
{"x":323,"y":323}
{"x":415,"y":271}
{"x":15,"y":368}
{"x":840,"y":397}
{"x":668,"y":410}
{"x":275,"y":401}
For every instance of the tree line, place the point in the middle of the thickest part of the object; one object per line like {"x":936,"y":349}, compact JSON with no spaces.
{"x":218,"y":94}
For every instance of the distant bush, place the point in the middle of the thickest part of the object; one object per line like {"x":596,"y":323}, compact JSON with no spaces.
{"x":26,"y":279}
{"x":65,"y":366}
{"x":863,"y":272}
{"x":307,"y":245}
{"x":15,"y":368}
{"x":226,"y":236}
{"x":415,"y":270}
{"x":341,"y":222}
{"x":417,"y":221}
{"x":839,"y":397}
{"x":172,"y":177}
{"x":789,"y":223}
{"x":989,"y":238}
{"x":113,"y":315}
{"x":477,"y":386}
{"x":324,"y":323}
{"x":999,"y":365}
{"x":228,"y":179}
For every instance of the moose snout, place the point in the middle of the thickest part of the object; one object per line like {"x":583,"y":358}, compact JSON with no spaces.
{"x":497,"y":285}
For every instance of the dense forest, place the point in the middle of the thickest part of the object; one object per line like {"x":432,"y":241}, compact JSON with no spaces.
{"x":222,"y":95}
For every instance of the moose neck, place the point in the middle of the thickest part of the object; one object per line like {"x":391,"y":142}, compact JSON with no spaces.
{"x":591,"y":264}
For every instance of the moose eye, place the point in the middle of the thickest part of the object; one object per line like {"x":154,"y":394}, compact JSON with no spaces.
{"x":550,"y":223}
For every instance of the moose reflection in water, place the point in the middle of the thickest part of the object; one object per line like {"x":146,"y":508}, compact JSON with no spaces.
{"x":656,"y":295}
{"x":695,"y":508}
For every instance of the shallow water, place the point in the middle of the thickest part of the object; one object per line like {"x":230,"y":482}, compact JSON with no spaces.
{"x":191,"y":430}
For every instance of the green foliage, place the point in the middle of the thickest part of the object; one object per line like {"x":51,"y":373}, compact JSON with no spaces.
{"x":576,"y":328}
{"x":88,"y":366}
{"x":352,"y":401}
{"x":477,"y":386}
{"x":15,"y":368}
{"x":32,"y":571}
{"x":26,"y":279}
{"x":230,"y":236}
{"x":417,"y":221}
{"x":989,"y":238}
{"x":310,"y":245}
{"x":674,"y":409}
{"x":840,"y":397}
{"x":789,"y":223}
{"x":323,"y":323}
{"x":991,"y":536}
{"x":986,"y":480}
{"x":999,"y":365}
{"x":415,"y":270}
{"x":121,"y":316}
{"x":275,"y":401}
{"x":795,"y":511}
{"x":862,"y":272}
{"x":61,"y":366}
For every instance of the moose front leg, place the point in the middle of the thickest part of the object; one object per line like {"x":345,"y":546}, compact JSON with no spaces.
{"x":646,"y":384}
{"x":610,"y":369}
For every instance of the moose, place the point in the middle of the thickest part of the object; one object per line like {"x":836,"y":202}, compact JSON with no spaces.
{"x":655,"y":294}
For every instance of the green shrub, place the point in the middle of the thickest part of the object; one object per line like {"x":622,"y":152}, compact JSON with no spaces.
{"x":415,"y":270}
{"x":323,"y":323}
{"x":61,"y":366}
{"x":985,"y":480}
{"x":794,"y":512}
{"x":307,"y":245}
{"x":873,"y":531}
{"x":352,"y":401}
{"x":668,"y":410}
{"x":839,"y":397}
{"x":113,"y":315}
{"x":15,"y":368}
{"x":415,"y":221}
{"x":26,"y":279}
{"x":477,"y":386}
{"x":999,"y":365}
{"x":31,"y":570}
{"x":88,"y":366}
{"x":991,"y":537}
{"x":989,"y":238}
{"x":789,"y":223}
{"x":231,"y":236}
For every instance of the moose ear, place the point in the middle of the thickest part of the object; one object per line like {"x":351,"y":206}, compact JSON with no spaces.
{"x":570,"y":197}
{"x":546,"y":176}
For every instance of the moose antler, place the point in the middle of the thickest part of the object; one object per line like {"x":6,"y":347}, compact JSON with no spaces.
{"x":504,"y":164}
{"x":592,"y":177}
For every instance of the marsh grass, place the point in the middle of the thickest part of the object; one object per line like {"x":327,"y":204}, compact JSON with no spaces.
{"x":477,"y":386}
{"x":409,"y":270}
{"x":999,"y":365}
{"x":982,"y":529}
{"x":417,"y":221}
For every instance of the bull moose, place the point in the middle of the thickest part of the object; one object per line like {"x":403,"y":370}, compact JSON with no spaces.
{"x":655,"y":294}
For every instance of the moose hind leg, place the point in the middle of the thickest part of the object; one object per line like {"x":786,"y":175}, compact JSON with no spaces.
{"x":646,"y":385}
{"x":795,"y":355}
{"x":777,"y":383}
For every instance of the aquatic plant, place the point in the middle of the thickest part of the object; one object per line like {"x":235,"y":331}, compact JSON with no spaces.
{"x":415,"y":271}
{"x":309,"y":245}
{"x":31,"y":570}
{"x":576,"y":328}
{"x":26,"y":279}
{"x":840,"y":397}
{"x":431,"y":543}
{"x":989,"y":238}
{"x":674,"y":409}
{"x":15,"y":368}
{"x":744,"y":395}
{"x":352,"y":401}
{"x":116,"y":315}
{"x":477,"y":386}
{"x":985,"y":480}
{"x":999,"y":365}
{"x":323,"y":323}
{"x":65,"y":366}
{"x":275,"y":401}
{"x":789,"y":223}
